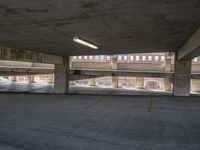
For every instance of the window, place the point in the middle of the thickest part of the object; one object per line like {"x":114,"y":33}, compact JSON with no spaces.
{"x":137,"y":58}
{"x":79,"y":57}
{"x":156,"y":58}
{"x":162,"y":58}
{"x":90,"y":57}
{"x":119,"y":57}
{"x":74,"y":57}
{"x":125,"y":57}
{"x":144,"y":58}
{"x":102,"y":57}
{"x":195,"y":59}
{"x":108,"y":57}
{"x":97,"y":57}
{"x":85,"y":57}
{"x":131,"y":58}
{"x":149,"y":58}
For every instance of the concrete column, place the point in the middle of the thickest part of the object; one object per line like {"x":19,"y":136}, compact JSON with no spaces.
{"x":140,"y":82}
{"x":61,"y":77}
{"x":114,"y":62}
{"x":14,"y":78}
{"x":31,"y":78}
{"x":70,"y":62}
{"x":50,"y":78}
{"x":115,"y":79}
{"x":168,"y":66}
{"x":182,"y":75}
{"x":73,"y":82}
{"x":195,"y":85}
{"x":167,"y":84}
{"x":92,"y":82}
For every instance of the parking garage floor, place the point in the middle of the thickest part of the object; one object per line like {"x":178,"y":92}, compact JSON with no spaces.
{"x":98,"y":122}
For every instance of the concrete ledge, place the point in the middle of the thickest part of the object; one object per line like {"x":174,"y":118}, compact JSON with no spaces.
{"x":28,"y":56}
{"x":98,"y":72}
{"x":23,"y":71}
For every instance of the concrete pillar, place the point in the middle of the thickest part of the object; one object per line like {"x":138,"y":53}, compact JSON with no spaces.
{"x":182,"y":75}
{"x":31,"y":78}
{"x":114,"y":62}
{"x":195,"y":85}
{"x":168,"y":66}
{"x":140,"y":82}
{"x":115,"y":79}
{"x":14,"y":78}
{"x":92,"y":82}
{"x":73,"y":82}
{"x":50,"y":78}
{"x":70,"y":62}
{"x":167,"y":84}
{"x":61,"y":77}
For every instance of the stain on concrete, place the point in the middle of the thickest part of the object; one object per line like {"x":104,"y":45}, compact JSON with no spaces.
{"x":8,"y":11}
{"x":88,"y":4}
{"x":38,"y":11}
{"x":62,"y":24}
{"x":14,"y":145}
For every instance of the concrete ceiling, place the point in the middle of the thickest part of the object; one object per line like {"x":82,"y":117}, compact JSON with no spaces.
{"x":117,"y":26}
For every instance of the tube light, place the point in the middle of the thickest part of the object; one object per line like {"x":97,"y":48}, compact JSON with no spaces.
{"x":80,"y":41}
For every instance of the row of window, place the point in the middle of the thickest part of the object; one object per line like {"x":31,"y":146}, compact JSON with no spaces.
{"x":122,"y":57}
{"x":98,"y":57}
{"x":143,"y":58}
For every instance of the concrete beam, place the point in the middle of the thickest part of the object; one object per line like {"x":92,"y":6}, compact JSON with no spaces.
{"x":191,"y":48}
{"x":94,"y":72}
{"x":195,"y":76}
{"x":73,"y":77}
{"x":23,"y":71}
{"x":28,"y":56}
{"x":20,"y":64}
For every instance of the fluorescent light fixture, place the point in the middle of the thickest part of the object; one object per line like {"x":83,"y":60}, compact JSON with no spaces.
{"x":83,"y":42}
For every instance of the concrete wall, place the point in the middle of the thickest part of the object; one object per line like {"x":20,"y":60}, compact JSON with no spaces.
{"x":91,"y":65}
{"x":28,"y":56}
{"x":196,"y":68}
{"x":141,"y":66}
{"x":121,"y":66}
